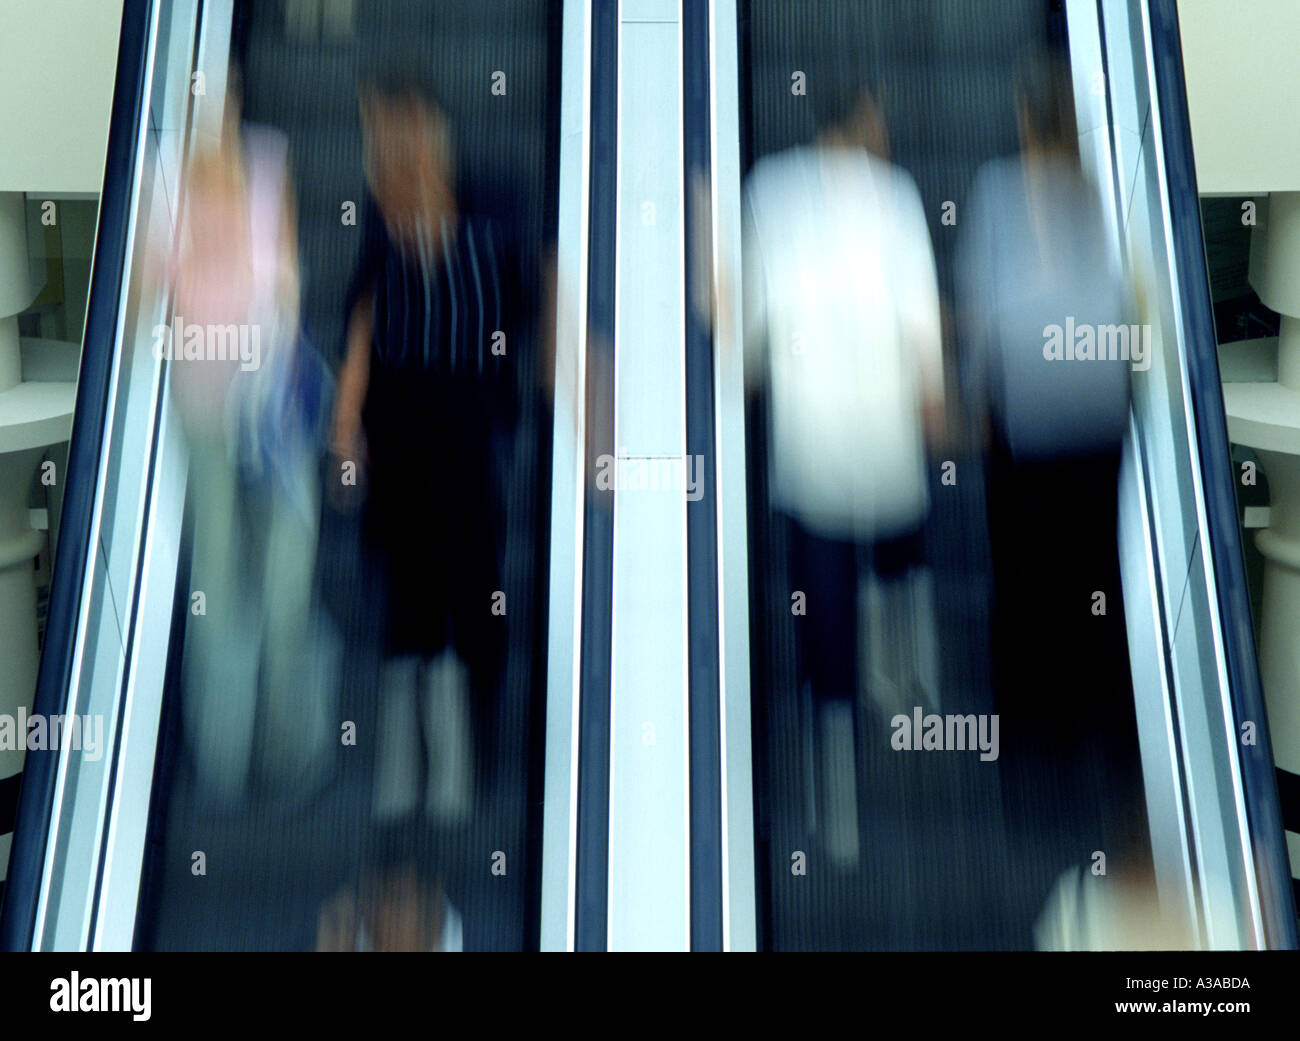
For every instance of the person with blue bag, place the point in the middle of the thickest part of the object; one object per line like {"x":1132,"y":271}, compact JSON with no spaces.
{"x":259,"y":656}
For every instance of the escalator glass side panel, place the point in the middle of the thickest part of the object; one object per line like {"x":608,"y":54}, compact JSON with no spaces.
{"x":1232,"y":841}
{"x":737,"y":775}
{"x":1264,"y":753}
{"x":564,"y":807}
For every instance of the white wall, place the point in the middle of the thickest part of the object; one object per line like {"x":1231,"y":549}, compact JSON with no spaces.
{"x":1243,"y":81}
{"x":57,"y":64}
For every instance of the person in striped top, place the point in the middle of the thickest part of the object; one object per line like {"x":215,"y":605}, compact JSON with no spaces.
{"x":426,"y":411}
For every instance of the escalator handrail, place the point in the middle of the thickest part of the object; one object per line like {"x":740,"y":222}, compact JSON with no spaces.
{"x":591,"y":853}
{"x":76,"y":534}
{"x":705,"y":794}
{"x":1259,"y":784}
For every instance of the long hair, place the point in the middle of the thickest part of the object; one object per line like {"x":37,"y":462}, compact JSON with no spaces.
{"x":1045,"y":100}
{"x":395,"y":79}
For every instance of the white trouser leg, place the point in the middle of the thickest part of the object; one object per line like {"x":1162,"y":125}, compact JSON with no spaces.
{"x":839,"y":816}
{"x":220,"y":667}
{"x":925,"y":642}
{"x":297,"y":656}
{"x":397,"y":766}
{"x":447,"y":733}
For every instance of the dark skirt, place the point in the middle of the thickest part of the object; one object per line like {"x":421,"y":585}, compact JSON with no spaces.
{"x":1062,"y":679}
{"x":435,"y":516}
{"x":828,"y":571}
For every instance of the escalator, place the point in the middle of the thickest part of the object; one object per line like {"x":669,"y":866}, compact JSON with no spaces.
{"x":656,"y":781}
{"x":196,"y":780}
{"x":984,"y":855}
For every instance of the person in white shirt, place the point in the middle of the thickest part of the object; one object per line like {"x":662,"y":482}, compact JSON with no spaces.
{"x":398,"y":903}
{"x":842,"y":324}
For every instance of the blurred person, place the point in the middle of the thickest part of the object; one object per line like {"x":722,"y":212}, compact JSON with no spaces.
{"x":398,"y":905}
{"x":1034,"y":262}
{"x":1043,"y":305}
{"x":1089,"y":912}
{"x":841,"y":314}
{"x":426,"y":412}
{"x":255,"y":648}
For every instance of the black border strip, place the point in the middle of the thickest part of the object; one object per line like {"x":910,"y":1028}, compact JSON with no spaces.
{"x":701,"y":514}
{"x":1263,"y":810}
{"x":535,"y":820}
{"x":757,"y":525}
{"x":9,"y":789}
{"x":98,"y":355}
{"x":592,"y":860}
{"x":1288,"y":787}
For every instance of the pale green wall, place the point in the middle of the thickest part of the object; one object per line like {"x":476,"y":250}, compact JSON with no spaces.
{"x":1243,"y":93}
{"x":57,"y":64}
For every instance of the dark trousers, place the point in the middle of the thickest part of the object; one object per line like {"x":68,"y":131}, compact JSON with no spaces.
{"x":827,"y":571}
{"x":1062,"y":681}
